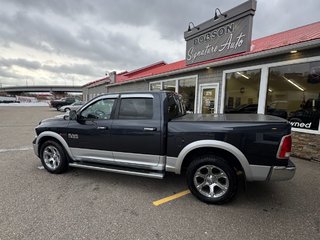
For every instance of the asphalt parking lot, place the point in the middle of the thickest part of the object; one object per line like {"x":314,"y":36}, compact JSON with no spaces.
{"x":84,"y":204}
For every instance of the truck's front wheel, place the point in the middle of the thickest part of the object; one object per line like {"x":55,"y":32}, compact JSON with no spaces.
{"x":53,"y":157}
{"x":212,"y":180}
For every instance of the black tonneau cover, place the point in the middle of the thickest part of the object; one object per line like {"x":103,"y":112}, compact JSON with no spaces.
{"x":229,"y":118}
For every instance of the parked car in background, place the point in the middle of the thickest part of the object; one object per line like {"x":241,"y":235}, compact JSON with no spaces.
{"x":244,"y":108}
{"x":74,"y":106}
{"x":273,"y":110}
{"x":308,"y":116}
{"x":8,"y":100}
{"x":61,"y":102}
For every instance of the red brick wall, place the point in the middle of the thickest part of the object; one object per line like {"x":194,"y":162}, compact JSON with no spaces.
{"x":306,"y":146}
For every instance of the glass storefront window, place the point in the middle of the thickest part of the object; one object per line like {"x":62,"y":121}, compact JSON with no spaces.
{"x":169,"y":85}
{"x":242,"y":91}
{"x":155,"y":86}
{"x":294,"y":94}
{"x":187,"y":89}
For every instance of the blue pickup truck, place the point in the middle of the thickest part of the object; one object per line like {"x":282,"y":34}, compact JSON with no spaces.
{"x":149,"y":133}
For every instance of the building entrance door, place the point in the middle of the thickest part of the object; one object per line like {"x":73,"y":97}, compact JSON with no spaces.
{"x":208,"y":98}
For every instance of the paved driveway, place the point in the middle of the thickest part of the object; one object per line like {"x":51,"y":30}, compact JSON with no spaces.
{"x":83,"y":204}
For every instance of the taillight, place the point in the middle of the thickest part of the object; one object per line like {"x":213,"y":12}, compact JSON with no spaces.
{"x":285,"y":147}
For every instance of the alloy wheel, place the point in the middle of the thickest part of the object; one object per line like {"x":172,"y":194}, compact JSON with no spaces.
{"x":51,"y":157}
{"x":211,"y":181}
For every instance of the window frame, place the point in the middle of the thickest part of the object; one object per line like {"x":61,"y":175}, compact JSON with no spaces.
{"x":132,"y":96}
{"x":130,"y":117}
{"x":264,"y":84}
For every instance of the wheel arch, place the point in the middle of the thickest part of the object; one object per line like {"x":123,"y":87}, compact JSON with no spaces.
{"x":48,"y":135}
{"x":219,"y":148}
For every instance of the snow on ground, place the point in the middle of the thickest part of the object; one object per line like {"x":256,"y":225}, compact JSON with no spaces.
{"x":26,"y":104}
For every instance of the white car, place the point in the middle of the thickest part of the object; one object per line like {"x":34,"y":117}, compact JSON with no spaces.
{"x":73,"y":106}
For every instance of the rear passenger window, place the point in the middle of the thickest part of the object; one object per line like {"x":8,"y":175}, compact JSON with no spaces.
{"x":136,"y":108}
{"x":175,"y":107}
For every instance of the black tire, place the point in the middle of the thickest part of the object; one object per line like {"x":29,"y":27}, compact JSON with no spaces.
{"x":67,"y":110}
{"x":57,"y":107}
{"x":53,"y":157}
{"x":221,"y":173}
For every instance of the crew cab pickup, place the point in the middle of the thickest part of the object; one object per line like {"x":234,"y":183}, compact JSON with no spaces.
{"x":149,"y":134}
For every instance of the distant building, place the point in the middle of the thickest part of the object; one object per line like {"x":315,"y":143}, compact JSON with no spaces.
{"x":95,"y":88}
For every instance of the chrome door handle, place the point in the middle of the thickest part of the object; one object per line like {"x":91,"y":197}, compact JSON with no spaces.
{"x":149,"y":129}
{"x":102,"y":128}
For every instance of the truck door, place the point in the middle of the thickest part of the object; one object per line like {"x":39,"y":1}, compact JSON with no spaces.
{"x":136,"y":131}
{"x":89,"y":136}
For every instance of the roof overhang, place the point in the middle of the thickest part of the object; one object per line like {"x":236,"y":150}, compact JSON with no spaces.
{"x":96,"y":84}
{"x":238,"y":59}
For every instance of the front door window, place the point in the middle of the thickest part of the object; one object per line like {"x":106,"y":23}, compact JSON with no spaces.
{"x":99,"y":110}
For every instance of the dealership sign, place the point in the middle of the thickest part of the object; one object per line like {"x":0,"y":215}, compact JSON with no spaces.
{"x":228,"y":34}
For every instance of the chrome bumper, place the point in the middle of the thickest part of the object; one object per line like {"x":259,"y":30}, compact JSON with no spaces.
{"x":35,"y":147}
{"x":282,"y":173}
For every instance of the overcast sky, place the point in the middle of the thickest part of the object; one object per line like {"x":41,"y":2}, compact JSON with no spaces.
{"x":74,"y":42}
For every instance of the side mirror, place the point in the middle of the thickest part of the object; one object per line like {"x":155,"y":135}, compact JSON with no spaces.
{"x":73,"y":115}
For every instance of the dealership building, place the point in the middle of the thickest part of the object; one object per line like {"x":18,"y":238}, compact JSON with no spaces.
{"x":277,"y":75}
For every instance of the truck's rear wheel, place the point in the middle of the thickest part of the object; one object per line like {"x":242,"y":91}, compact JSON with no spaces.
{"x":53,"y":157}
{"x":212,"y":180}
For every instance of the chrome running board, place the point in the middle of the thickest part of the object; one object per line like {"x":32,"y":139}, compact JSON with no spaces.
{"x":116,"y":169}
